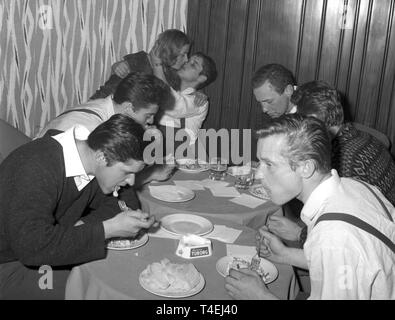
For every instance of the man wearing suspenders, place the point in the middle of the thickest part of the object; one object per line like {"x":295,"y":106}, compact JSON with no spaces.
{"x":349,"y":250}
{"x":140,"y":96}
{"x":354,"y":153}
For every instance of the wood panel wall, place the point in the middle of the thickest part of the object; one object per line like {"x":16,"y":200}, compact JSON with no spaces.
{"x":356,"y":55}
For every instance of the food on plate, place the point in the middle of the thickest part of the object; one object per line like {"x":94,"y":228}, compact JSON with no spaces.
{"x":122,"y":243}
{"x":191,"y":164}
{"x":260,"y":192}
{"x":237,"y":263}
{"x":125,"y":243}
{"x":240,"y":263}
{"x":170,"y":277}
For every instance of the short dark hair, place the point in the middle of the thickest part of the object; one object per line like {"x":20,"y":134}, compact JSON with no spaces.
{"x":277,"y":75}
{"x":120,"y":138}
{"x":169,"y":44}
{"x":306,"y":139}
{"x":320,"y":100}
{"x":142,"y":90}
{"x":209,"y":69}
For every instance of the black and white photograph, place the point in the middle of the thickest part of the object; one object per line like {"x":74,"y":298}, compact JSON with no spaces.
{"x":191,"y":154}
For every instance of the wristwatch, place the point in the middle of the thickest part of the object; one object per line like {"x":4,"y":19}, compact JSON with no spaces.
{"x":303,"y":236}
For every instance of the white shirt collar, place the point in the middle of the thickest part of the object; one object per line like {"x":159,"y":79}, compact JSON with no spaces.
{"x":188,"y":90}
{"x":293,"y":110}
{"x":72,"y":161}
{"x":319,"y":197}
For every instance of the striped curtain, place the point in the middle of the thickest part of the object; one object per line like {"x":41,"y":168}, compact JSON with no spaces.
{"x":56,"y":53}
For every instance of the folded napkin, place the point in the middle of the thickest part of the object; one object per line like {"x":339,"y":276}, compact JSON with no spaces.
{"x":248,"y":201}
{"x":234,"y":249}
{"x":224,"y":234}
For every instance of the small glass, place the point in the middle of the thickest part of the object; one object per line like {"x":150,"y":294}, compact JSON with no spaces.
{"x":244,"y":177}
{"x":218,"y":168}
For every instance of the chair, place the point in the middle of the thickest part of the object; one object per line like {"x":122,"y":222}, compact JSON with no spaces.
{"x":375,"y":133}
{"x":10,"y":139}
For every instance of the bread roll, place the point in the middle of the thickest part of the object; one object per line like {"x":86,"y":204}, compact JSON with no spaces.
{"x":170,"y":277}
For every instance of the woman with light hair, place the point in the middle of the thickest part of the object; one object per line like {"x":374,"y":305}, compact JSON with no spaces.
{"x":169,"y":54}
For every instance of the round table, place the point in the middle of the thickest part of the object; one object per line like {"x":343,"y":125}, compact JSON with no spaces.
{"x":205,"y":204}
{"x":116,"y":276}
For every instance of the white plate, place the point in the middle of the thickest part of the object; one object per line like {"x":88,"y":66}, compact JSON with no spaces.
{"x":259,"y":192}
{"x":174,"y":194}
{"x":266,"y":266}
{"x":184,"y":162}
{"x":182,"y":224}
{"x":111,"y":245}
{"x":182,"y":294}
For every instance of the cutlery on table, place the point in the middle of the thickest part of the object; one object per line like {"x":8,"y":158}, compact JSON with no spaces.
{"x":256,"y":260}
{"x":123,"y":206}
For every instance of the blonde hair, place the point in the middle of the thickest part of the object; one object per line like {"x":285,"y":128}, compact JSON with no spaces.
{"x":169,"y":44}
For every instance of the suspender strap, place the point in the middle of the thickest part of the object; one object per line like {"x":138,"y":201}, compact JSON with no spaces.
{"x":82,"y":110}
{"x":359,"y":224}
{"x":378,"y":198}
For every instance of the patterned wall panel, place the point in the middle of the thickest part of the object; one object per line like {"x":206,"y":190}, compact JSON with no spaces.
{"x":56,"y":53}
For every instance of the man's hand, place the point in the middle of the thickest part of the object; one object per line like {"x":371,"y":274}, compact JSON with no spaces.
{"x":271,"y":246}
{"x":284,"y":228}
{"x":200,"y":99}
{"x":127,"y":224}
{"x":121,"y":69}
{"x":245,"y":284}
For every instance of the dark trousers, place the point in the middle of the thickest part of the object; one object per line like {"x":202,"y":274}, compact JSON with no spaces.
{"x":18,"y":282}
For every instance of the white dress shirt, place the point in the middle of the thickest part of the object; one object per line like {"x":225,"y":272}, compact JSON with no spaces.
{"x":185,"y":108}
{"x":344,"y":261}
{"x":72,"y":161}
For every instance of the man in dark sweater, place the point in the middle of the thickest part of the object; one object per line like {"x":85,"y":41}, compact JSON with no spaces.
{"x":53,"y":205}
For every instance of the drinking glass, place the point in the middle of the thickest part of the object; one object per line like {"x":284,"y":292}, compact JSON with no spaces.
{"x":244,"y":177}
{"x":217,"y":168}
